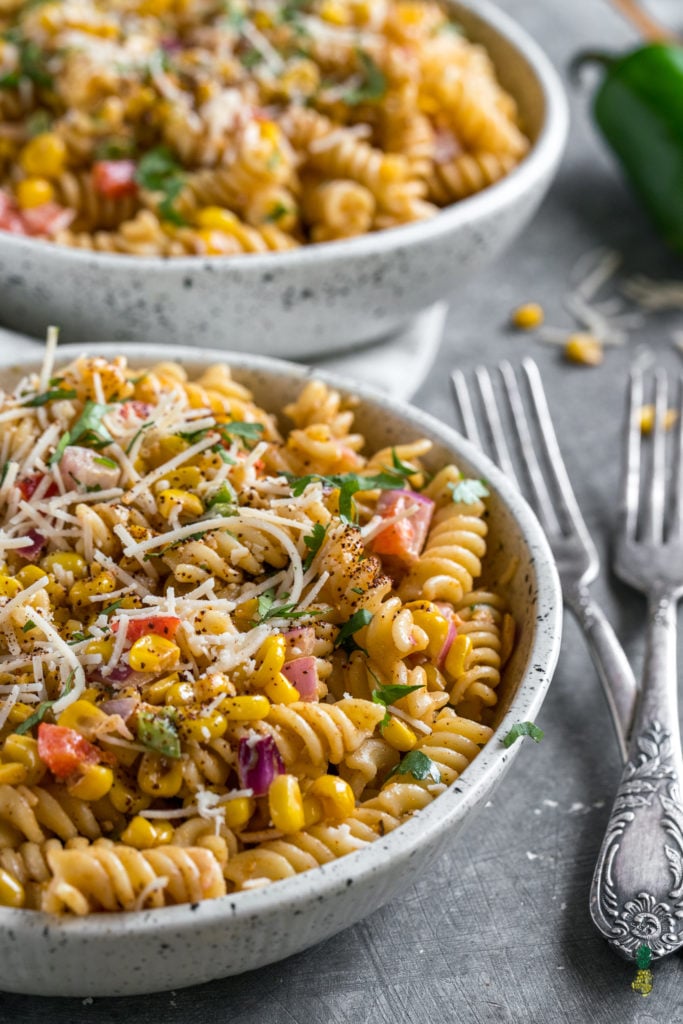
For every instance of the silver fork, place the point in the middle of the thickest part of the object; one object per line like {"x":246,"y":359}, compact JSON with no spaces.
{"x":550,"y":493}
{"x":637,"y":891}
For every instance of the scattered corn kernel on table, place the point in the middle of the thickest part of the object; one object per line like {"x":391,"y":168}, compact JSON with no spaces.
{"x":499,"y":929}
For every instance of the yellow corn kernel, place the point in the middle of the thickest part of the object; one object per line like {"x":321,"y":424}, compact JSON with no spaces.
{"x":82,"y":591}
{"x":95,"y":783}
{"x":11,"y":890}
{"x":262,"y":20}
{"x":202,"y":728}
{"x":216,"y":218}
{"x":179,"y":695}
{"x":281,"y":691}
{"x":32,"y":192}
{"x":160,"y":776}
{"x":20,"y":712}
{"x":83,"y":717}
{"x":165,"y":450}
{"x":44,"y":155}
{"x":272,"y":654}
{"x":335,"y":795}
{"x":313,"y":811}
{"x":245,"y":709}
{"x":398,"y":735}
{"x":9,"y":587}
{"x":427,"y":104}
{"x":29,"y":574}
{"x":238,"y":812}
{"x":647,"y":419}
{"x":584,"y":349}
{"x":270,"y":131}
{"x":102,"y":646}
{"x":143,"y":834}
{"x":129,"y":800}
{"x":456,"y":659}
{"x":69,"y":561}
{"x":428,"y":618}
{"x":184,"y":476}
{"x":245,"y":614}
{"x":13,"y":774}
{"x":528,"y":316}
{"x":155,"y":8}
{"x":24,"y":750}
{"x":212,"y":622}
{"x":334,"y":12}
{"x":174,"y":499}
{"x":156,"y":692}
{"x":210,"y":687}
{"x":152,"y":653}
{"x":285,"y":804}
{"x":140,"y":101}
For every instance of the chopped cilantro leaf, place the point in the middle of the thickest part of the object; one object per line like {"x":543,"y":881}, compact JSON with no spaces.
{"x":313,"y":542}
{"x":157,"y":731}
{"x":267,"y":609}
{"x":247,"y":431}
{"x":136,"y":436}
{"x":522,"y":729}
{"x":28,"y":626}
{"x":373,"y":86}
{"x":88,"y":428}
{"x":158,"y":171}
{"x":419,"y":766}
{"x":111,"y":608}
{"x":349,"y":484}
{"x":389,"y":694}
{"x":278,"y":211}
{"x":103,"y":460}
{"x":468,"y":492}
{"x":49,"y":396}
{"x":357,"y":621}
{"x":31,"y":66}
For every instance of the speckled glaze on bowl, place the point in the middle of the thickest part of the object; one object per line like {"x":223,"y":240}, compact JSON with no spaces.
{"x":124,"y":954}
{"x":313,"y":300}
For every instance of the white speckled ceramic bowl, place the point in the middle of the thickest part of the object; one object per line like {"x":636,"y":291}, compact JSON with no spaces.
{"x":313,"y":300}
{"x":123,"y":954}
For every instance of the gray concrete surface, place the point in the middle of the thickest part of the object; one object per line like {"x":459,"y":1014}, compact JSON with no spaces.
{"x":498,"y":930}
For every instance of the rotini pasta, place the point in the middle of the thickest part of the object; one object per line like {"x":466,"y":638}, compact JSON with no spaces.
{"x":157,"y":129}
{"x":227,"y":655}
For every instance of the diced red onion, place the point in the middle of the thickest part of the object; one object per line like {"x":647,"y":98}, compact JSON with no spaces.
{"x":447,"y":644}
{"x":258,"y":762}
{"x":31,"y":552}
{"x":303,"y":673}
{"x":123,"y":706}
{"x":301,"y":639}
{"x":120,"y":673}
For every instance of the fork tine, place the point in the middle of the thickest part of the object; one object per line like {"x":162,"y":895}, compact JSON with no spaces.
{"x":628,"y":512}
{"x":676,"y":519}
{"x":493,"y":422}
{"x":464,"y":403}
{"x":548,"y":439}
{"x":542,"y":499}
{"x":655,"y":483}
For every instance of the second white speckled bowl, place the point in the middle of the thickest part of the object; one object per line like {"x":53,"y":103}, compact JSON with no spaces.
{"x":124,"y":954}
{"x":312,"y":300}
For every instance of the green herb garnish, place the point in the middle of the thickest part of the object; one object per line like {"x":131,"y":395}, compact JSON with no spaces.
{"x":88,"y":428}
{"x":267,"y":609}
{"x":158,"y":171}
{"x":389,"y":694}
{"x":104,"y":460}
{"x":28,"y":626}
{"x":31,"y":65}
{"x":158,"y":732}
{"x":522,"y":729}
{"x":313,"y":542}
{"x":419,"y":766}
{"x":278,"y":211}
{"x":468,"y":492}
{"x":136,"y":435}
{"x":42,"y":709}
{"x":374,"y":84}
{"x":345,"y":636}
{"x":111,"y":608}
{"x":349,"y":483}
{"x":115,"y":149}
{"x":49,"y":396}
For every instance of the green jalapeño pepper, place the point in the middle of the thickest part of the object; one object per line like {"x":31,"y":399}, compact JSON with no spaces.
{"x":639,"y":108}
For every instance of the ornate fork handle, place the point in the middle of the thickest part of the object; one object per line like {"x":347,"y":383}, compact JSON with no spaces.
{"x":614,"y":670}
{"x":637,"y":891}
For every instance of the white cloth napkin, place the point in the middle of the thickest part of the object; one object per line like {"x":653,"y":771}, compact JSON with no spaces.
{"x":397,"y":365}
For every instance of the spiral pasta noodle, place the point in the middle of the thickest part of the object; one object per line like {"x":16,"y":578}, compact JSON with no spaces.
{"x":227,"y":654}
{"x":181,"y":129}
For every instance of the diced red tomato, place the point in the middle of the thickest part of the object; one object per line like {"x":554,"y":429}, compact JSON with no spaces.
{"x":47,"y":219}
{"x":29,"y":485}
{"x":114,"y":178}
{"x":161,"y":625}
{"x":400,"y":544}
{"x":64,"y":751}
{"x":10,"y":218}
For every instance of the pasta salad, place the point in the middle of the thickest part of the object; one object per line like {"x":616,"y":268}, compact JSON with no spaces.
{"x":228,"y":652}
{"x":219,"y":127}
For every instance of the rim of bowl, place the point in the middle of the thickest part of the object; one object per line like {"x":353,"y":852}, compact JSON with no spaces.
{"x":437,"y":817}
{"x":543,"y":155}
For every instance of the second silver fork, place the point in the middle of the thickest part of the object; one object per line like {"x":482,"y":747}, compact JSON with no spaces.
{"x":550,"y":493}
